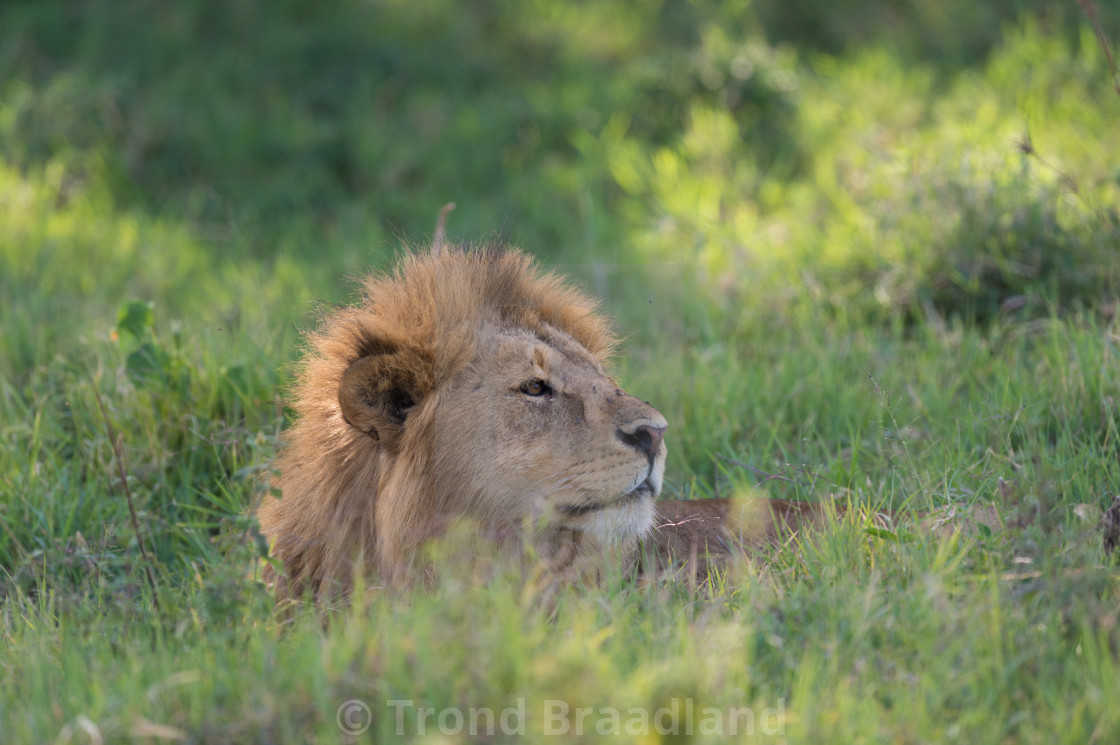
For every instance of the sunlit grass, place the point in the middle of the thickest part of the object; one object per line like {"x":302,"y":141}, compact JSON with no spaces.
{"x":854,"y":273}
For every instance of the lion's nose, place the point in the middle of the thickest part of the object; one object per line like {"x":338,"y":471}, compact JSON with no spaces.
{"x":643,"y":437}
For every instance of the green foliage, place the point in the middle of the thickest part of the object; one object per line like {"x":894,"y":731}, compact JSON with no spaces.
{"x":951,"y":33}
{"x":943,"y":206}
{"x":776,"y":199}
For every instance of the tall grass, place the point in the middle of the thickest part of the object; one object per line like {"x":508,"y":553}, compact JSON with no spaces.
{"x":876,"y":261}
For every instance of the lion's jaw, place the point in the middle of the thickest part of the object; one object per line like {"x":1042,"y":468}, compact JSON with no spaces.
{"x":582,"y":457}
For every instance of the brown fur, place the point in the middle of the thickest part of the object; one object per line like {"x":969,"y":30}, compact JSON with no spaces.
{"x":703,"y":536}
{"x":412,"y":412}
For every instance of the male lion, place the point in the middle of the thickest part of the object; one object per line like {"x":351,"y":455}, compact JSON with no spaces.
{"x":465,"y":384}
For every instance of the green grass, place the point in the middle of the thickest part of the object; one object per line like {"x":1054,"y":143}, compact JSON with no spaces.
{"x":875,"y":253}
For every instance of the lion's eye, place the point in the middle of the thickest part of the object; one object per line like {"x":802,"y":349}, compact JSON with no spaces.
{"x":535,"y":387}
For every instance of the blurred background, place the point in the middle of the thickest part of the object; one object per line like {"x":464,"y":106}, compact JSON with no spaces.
{"x":867,"y":155}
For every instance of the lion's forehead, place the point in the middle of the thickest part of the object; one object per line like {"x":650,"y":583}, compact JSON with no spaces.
{"x":552,"y":352}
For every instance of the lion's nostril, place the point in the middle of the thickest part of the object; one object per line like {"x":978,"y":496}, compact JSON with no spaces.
{"x":645,"y":438}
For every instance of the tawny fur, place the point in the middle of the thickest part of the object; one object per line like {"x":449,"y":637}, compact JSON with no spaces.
{"x":704,"y":537}
{"x":430,"y":435}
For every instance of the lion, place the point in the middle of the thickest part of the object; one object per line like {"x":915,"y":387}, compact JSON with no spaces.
{"x":704,"y":536}
{"x":467,"y":383}
{"x":700,"y":539}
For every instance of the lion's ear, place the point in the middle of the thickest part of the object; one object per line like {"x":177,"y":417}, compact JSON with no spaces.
{"x":374,"y":398}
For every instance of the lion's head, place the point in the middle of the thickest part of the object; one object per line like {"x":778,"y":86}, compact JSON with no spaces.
{"x":466,"y":384}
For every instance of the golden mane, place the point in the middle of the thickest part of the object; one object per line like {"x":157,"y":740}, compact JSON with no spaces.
{"x":420,"y":324}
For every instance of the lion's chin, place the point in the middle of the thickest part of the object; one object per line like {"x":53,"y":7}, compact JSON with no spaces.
{"x":613,"y":521}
